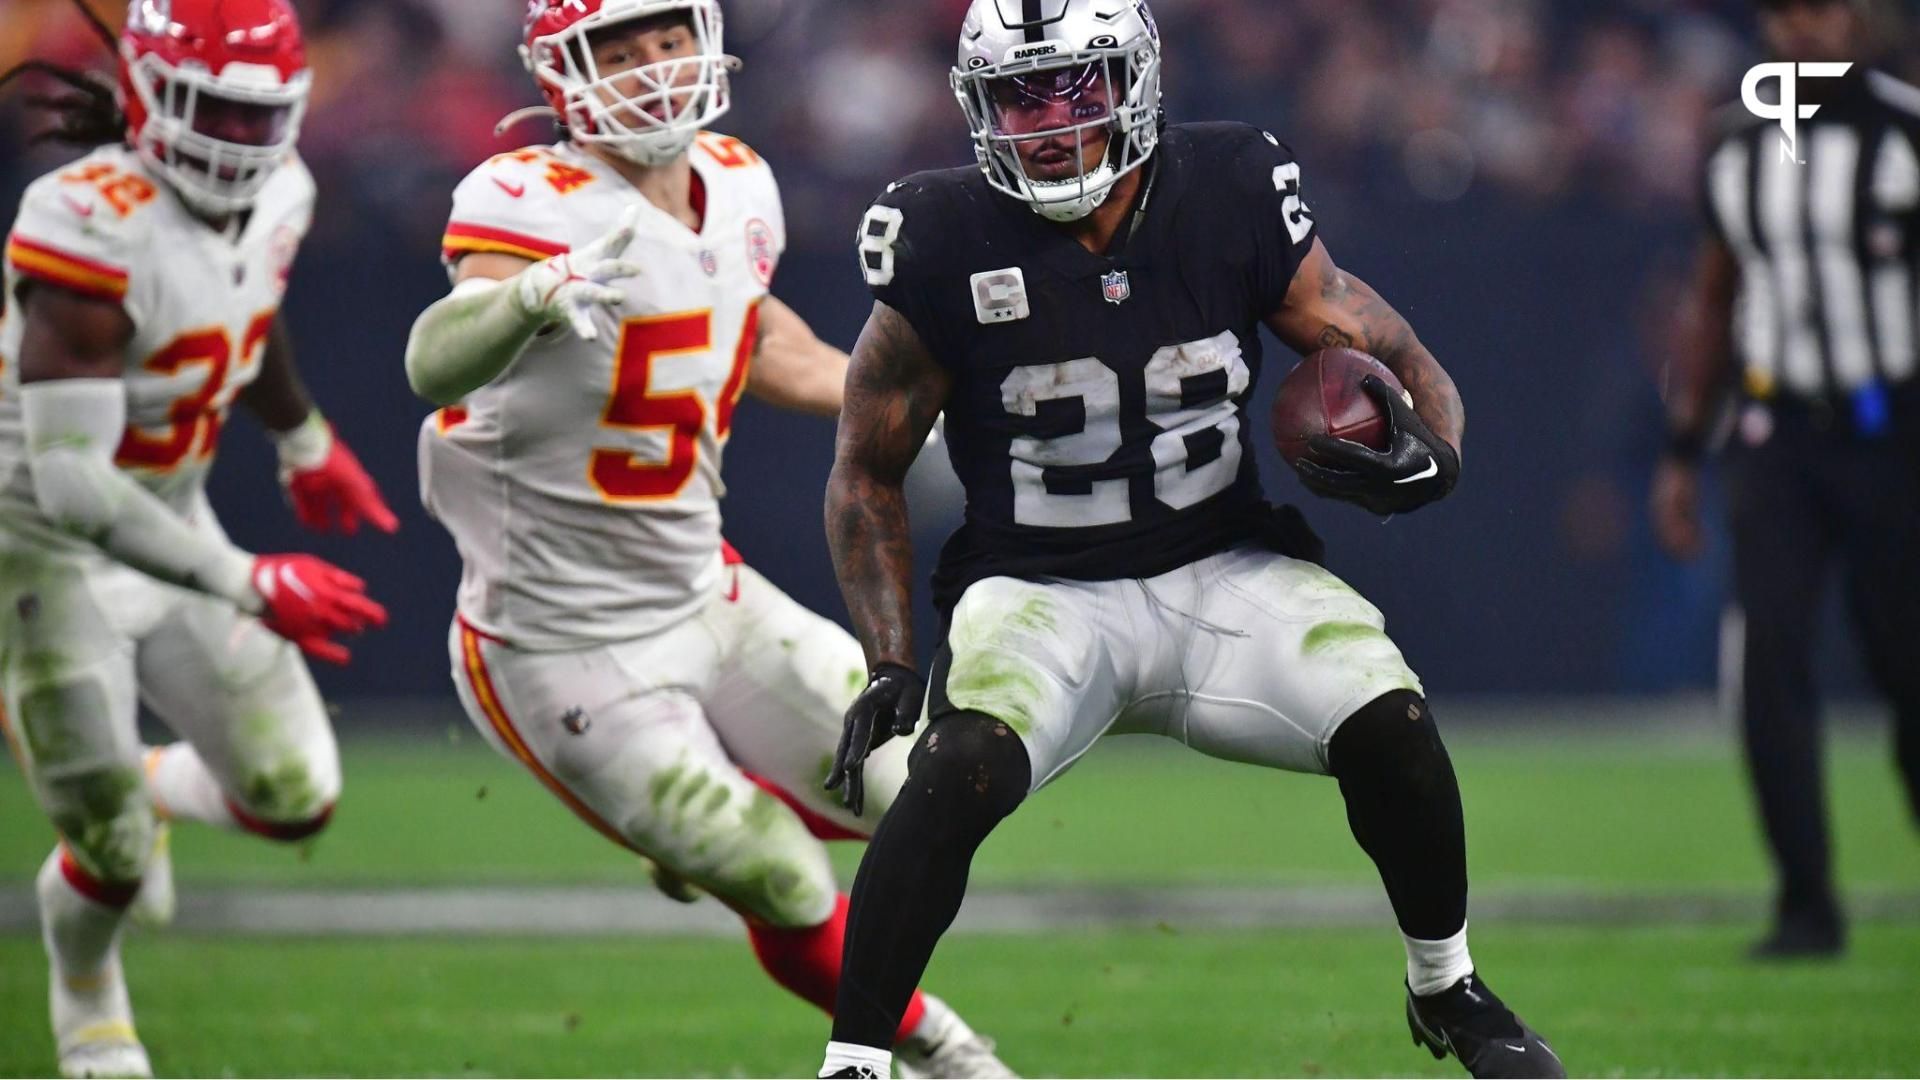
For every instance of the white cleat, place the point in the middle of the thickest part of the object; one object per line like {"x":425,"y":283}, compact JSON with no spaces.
{"x":154,"y":905}
{"x":943,"y":1046}
{"x":114,"y":1054}
{"x":92,"y":1016}
{"x":93,"y":1025}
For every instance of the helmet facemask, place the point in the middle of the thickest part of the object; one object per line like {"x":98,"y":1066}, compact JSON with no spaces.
{"x":1052,"y":106}
{"x":216,"y":139}
{"x":650,"y":113}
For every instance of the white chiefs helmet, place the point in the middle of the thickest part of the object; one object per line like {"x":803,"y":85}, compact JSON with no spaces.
{"x":648,"y":114}
{"x":1057,"y":71}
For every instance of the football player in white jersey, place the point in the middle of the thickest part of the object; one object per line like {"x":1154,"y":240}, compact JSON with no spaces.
{"x":609,"y":309}
{"x":143,"y":285}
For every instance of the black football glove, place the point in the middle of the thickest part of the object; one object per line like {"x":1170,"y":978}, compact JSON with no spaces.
{"x":1416,"y":468}
{"x":889,"y":706}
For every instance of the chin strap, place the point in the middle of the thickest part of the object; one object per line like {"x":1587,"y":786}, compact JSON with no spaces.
{"x":1080,"y":205}
{"x":1071,"y":210}
{"x":1076,"y":209}
{"x":520,"y":116}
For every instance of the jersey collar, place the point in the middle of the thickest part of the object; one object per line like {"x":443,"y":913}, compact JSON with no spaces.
{"x":1062,"y":254}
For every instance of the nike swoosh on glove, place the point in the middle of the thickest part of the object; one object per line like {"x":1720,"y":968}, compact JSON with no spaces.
{"x":572,"y":286}
{"x":310,"y":601}
{"x":1416,"y":468}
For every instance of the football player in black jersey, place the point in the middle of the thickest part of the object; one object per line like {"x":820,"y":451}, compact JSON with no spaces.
{"x":1084,"y":306}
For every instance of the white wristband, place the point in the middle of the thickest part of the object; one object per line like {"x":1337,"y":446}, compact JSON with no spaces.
{"x":304,"y":447}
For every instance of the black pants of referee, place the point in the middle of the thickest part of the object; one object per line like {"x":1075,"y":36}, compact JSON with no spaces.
{"x":1810,"y":496}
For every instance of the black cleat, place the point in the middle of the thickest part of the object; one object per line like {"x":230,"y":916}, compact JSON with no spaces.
{"x":1801,"y":940}
{"x":854,"y":1072}
{"x":1470,"y":1021}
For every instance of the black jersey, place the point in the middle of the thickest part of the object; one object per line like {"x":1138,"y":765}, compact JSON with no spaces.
{"x":1098,"y":412}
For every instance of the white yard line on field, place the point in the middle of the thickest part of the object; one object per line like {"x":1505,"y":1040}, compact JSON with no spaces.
{"x":599,"y":910}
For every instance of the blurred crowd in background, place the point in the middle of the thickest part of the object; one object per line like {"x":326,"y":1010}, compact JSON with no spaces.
{"x":1565,"y":101}
{"x":1519,"y":176}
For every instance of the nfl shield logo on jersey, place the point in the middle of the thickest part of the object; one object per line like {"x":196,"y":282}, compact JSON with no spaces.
{"x":709,"y":262}
{"x":1114,"y":286}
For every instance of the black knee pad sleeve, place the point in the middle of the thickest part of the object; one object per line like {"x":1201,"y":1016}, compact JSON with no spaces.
{"x":1403,"y":805}
{"x":1393,"y":737}
{"x":972,"y":766}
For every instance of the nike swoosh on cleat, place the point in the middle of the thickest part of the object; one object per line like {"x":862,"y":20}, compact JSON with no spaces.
{"x":515,"y":190}
{"x":1432,"y":469}
{"x":1515,"y":1049}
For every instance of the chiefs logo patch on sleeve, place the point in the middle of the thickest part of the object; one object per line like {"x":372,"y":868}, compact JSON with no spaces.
{"x":760,"y":253}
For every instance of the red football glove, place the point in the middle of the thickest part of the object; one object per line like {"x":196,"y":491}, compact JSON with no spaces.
{"x":311,"y":600}
{"x":337,"y":494}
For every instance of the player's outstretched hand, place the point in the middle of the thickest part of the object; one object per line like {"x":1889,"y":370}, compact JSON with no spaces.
{"x":336,"y":494}
{"x":310,"y":601}
{"x":1416,"y":468}
{"x":569,"y":287}
{"x":889,"y":706}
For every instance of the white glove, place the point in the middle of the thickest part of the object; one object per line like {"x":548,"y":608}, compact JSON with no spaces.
{"x":572,"y":285}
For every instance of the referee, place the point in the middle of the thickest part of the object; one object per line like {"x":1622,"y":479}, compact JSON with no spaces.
{"x":1806,"y":305}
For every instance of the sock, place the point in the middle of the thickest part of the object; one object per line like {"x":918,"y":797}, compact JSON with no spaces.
{"x":80,"y":916}
{"x":184,"y":789}
{"x":1432,"y":966}
{"x":967,"y":773}
{"x":80,"y":920}
{"x":936,"y":1023}
{"x":807,"y":962}
{"x":1403,"y":804}
{"x":843,"y":1055}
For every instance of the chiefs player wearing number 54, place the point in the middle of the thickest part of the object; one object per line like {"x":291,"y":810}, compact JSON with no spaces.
{"x":143,"y":285}
{"x":609,"y":308}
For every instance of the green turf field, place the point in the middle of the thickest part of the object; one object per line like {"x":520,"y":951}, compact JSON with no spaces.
{"x":1612,"y":812}
{"x":1643,"y":1002}
{"x":1548,"y":813}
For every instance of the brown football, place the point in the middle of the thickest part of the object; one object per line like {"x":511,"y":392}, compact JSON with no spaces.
{"x":1323,"y":396}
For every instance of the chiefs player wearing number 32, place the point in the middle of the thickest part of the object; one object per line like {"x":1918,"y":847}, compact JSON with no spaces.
{"x":609,"y":308}
{"x":143,"y":286}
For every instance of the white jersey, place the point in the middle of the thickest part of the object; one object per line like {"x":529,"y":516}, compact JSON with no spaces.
{"x":582,"y":485}
{"x":202,"y":302}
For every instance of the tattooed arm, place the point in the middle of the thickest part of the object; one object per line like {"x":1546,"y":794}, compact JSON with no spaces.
{"x":1326,"y":308}
{"x":895,"y":389}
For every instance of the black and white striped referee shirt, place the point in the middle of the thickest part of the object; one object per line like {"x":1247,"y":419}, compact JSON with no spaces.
{"x":1828,"y":250}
